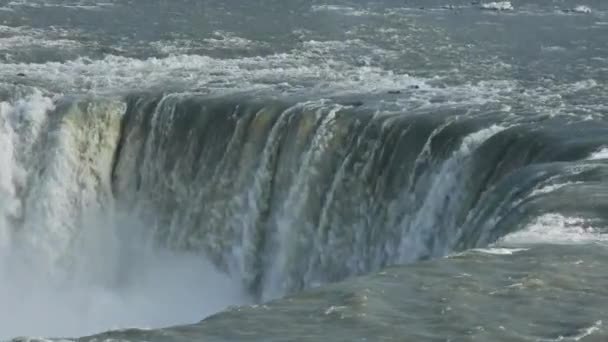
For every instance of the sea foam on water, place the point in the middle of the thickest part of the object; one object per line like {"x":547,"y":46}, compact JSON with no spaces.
{"x":498,"y":6}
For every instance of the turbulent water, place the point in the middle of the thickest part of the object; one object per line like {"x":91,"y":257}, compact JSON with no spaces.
{"x":303,"y":170}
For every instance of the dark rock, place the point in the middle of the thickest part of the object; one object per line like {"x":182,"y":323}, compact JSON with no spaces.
{"x":354,"y":103}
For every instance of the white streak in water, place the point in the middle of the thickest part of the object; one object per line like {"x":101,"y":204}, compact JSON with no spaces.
{"x":499,"y":251}
{"x":552,"y":187}
{"x":582,"y":333}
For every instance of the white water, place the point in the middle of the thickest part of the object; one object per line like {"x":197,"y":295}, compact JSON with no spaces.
{"x":582,"y":9}
{"x":70,"y":263}
{"x":600,"y":154}
{"x":555,"y":228}
{"x":498,"y":6}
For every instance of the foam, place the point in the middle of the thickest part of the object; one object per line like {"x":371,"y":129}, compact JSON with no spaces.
{"x":553,"y":48}
{"x":219,"y":41}
{"x":70,"y":4}
{"x":21,"y":37}
{"x":556,"y":99}
{"x":582,"y":333}
{"x":223,"y":40}
{"x":499,"y":250}
{"x":582,"y":9}
{"x":20,"y":42}
{"x":282,"y":73}
{"x":343,"y":10}
{"x":599,"y":154}
{"x":555,"y":228}
{"x":117,"y":73}
{"x":497,"y":6}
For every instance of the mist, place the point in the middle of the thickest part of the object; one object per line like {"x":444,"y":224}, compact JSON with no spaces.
{"x":112,"y":279}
